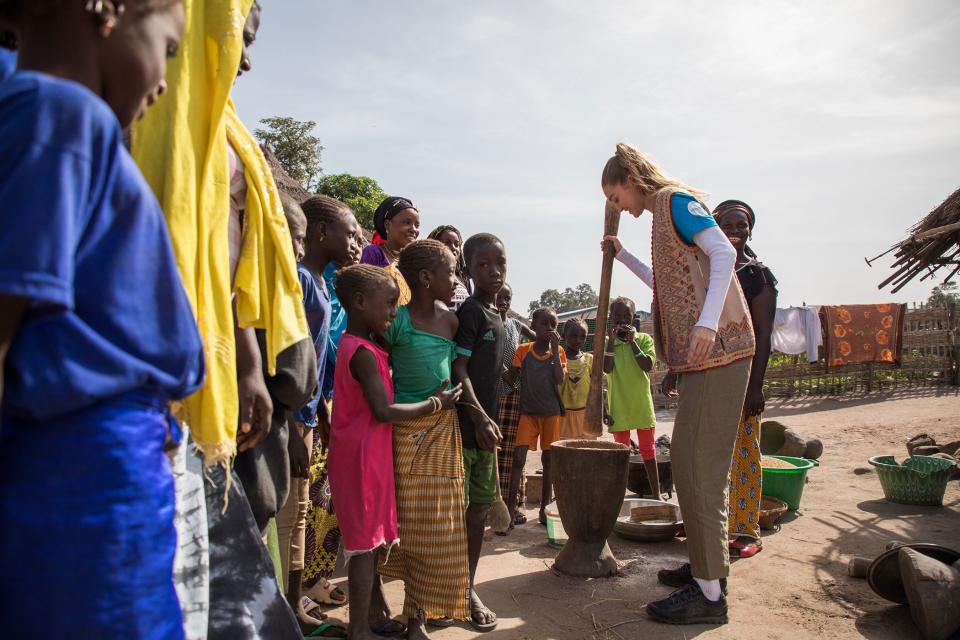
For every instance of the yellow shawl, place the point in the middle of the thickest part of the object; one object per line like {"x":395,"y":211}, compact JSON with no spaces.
{"x":181,"y":147}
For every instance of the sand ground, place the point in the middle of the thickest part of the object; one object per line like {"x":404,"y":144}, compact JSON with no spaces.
{"x":797,"y":587}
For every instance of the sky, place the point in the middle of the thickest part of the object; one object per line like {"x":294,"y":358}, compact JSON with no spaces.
{"x":838,"y":121}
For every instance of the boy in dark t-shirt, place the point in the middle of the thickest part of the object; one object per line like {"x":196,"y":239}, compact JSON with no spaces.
{"x":541,"y":366}
{"x":479,"y":366}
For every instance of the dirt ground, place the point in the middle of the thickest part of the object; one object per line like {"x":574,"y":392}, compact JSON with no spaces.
{"x":796,"y":588}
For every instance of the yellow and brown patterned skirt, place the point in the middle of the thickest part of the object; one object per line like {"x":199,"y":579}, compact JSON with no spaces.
{"x":322,"y":540}
{"x":432,"y":556}
{"x":746,"y":480}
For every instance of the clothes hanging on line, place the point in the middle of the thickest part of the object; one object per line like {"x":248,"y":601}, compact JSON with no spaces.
{"x":797,"y":330}
{"x":859,"y":333}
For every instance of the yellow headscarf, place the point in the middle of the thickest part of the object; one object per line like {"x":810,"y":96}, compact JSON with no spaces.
{"x":181,"y":147}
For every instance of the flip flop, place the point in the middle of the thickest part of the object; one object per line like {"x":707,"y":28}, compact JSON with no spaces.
{"x":390,"y":628}
{"x":745,"y":547}
{"x":328,"y":593}
{"x":519,"y":518}
{"x":489,"y":626}
{"x":441,"y":623}
{"x":320,"y":632}
{"x":312,"y":608}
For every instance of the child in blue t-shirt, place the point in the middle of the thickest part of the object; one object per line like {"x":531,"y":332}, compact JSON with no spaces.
{"x":97,"y":335}
{"x":330,"y":237}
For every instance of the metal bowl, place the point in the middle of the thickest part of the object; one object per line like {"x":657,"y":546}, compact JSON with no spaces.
{"x":645,"y":531}
{"x":637,"y":478}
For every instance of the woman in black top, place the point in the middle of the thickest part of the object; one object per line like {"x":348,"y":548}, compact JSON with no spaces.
{"x":736,"y":220}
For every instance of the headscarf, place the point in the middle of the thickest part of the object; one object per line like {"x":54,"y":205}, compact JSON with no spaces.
{"x":728,"y":206}
{"x":390,"y":207}
{"x":735,"y":205}
{"x":181,"y":147}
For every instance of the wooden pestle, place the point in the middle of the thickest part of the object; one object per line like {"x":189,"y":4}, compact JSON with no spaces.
{"x":593,"y":415}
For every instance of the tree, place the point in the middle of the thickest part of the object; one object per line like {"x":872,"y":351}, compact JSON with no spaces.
{"x":942,"y":295}
{"x":567,"y":300}
{"x":360,"y":193}
{"x":295,"y":146}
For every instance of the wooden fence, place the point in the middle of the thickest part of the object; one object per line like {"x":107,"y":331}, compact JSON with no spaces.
{"x":931,"y":356}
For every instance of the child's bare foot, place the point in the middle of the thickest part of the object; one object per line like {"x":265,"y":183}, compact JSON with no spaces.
{"x":307,"y":622}
{"x":384,"y":625}
{"x":481,"y":617}
{"x":309,"y":619}
{"x":417,"y":630}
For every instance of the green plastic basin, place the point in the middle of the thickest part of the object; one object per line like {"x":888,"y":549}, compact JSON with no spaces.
{"x":787,"y":484}
{"x":920,"y":480}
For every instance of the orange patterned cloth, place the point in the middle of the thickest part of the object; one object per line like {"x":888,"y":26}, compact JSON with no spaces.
{"x":863,"y":333}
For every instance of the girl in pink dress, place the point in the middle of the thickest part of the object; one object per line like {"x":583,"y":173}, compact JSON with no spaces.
{"x":361,"y":441}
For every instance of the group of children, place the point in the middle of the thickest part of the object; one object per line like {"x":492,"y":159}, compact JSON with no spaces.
{"x":392,"y":434}
{"x":555,"y":384}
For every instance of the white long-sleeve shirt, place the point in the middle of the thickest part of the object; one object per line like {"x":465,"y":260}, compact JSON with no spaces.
{"x":723,"y":258}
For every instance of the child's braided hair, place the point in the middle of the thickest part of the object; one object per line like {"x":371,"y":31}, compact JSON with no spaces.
{"x":421,"y":255}
{"x":360,"y":278}
{"x":576,"y":322}
{"x":324,"y":210}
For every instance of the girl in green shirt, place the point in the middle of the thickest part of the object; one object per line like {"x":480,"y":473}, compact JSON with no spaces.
{"x":427,"y":451}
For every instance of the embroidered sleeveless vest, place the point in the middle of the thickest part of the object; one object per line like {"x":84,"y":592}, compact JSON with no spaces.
{"x":681,"y":273}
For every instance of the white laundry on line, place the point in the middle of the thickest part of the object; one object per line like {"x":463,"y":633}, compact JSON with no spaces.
{"x":797,"y":330}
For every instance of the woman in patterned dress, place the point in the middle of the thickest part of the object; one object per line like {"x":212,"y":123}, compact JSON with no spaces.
{"x":736,"y":220}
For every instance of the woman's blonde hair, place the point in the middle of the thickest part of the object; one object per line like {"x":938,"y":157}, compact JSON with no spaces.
{"x":629,"y":162}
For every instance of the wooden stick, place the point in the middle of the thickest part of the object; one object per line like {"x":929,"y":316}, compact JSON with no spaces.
{"x":593,"y":415}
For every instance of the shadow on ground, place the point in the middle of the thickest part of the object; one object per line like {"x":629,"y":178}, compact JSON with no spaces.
{"x":547,"y":605}
{"x":866,"y":531}
{"x":781,"y":407}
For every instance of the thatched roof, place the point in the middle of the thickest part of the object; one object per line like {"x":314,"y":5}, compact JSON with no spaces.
{"x":291,"y":187}
{"x":933,"y":243}
{"x":285,"y":183}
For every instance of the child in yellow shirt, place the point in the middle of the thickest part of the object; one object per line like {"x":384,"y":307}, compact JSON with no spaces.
{"x":576,"y":383}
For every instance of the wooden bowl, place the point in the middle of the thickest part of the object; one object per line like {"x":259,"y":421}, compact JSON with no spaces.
{"x":770,"y":511}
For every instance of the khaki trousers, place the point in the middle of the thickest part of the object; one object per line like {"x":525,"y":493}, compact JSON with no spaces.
{"x":704,"y":433}
{"x":292,"y":518}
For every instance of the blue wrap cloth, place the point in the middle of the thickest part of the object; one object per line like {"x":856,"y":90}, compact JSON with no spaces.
{"x":86,"y":518}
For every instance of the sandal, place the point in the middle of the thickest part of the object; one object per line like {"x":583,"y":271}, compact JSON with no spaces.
{"x":325,"y":592}
{"x":481,"y":626}
{"x":311,"y":608}
{"x":519,"y":518}
{"x":745,"y":547}
{"x":325,"y":629}
{"x":441,"y":623}
{"x":390,"y":628}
